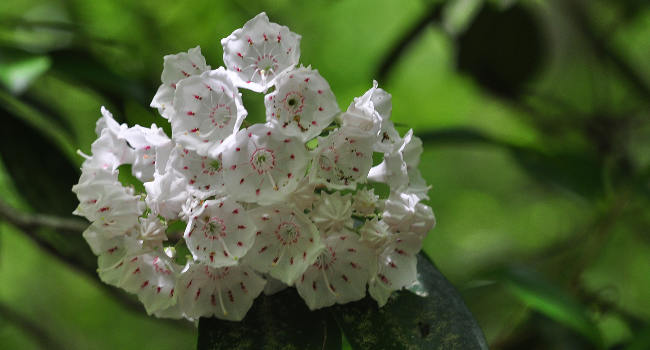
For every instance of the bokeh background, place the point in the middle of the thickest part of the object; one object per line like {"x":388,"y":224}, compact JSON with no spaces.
{"x":536,"y":126}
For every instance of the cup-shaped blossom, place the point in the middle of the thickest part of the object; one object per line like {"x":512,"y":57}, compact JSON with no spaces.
{"x":342,"y":159}
{"x":110,"y":205}
{"x":176,"y":68}
{"x":260,"y":52}
{"x":202,"y":173}
{"x":208,"y":109}
{"x":152,"y":276}
{"x":110,"y":150}
{"x":286,"y":242}
{"x":339,"y":274}
{"x":399,"y":169}
{"x":150,"y":146}
{"x":396,"y":266}
{"x":370,"y":114}
{"x":332,"y":212}
{"x":302,"y":104}
{"x":167,"y":193}
{"x":262,"y":165}
{"x":226,"y":293}
{"x":221,"y":234}
{"x":404,"y":213}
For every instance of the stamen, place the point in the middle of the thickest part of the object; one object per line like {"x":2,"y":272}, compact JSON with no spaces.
{"x":223,"y":308}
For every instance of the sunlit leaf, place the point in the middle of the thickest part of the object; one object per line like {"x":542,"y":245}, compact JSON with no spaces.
{"x":570,"y":170}
{"x":18,"y":70}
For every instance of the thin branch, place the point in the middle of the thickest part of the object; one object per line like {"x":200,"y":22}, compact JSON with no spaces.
{"x":35,"y":332}
{"x":26,"y":221}
{"x":29,"y":224}
{"x":406,"y":40}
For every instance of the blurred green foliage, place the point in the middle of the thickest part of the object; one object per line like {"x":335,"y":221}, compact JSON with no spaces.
{"x":535,"y":117}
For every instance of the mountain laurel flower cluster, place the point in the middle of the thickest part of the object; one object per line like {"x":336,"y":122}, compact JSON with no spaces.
{"x":229,"y":210}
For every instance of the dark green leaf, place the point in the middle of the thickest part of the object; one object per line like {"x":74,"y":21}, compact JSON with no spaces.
{"x":280,"y":321}
{"x":41,"y":126}
{"x":408,"y":321}
{"x":579,"y":172}
{"x":641,"y":340}
{"x":86,"y":69}
{"x":502,"y":49}
{"x":43,"y":175}
{"x":552,"y":301}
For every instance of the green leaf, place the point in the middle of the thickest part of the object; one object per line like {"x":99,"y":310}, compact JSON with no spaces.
{"x":276,"y":322}
{"x":408,"y":321}
{"x":641,"y":340}
{"x":43,"y":126}
{"x":579,"y":172}
{"x":539,"y":294}
{"x":18,"y":70}
{"x":43,"y":175}
{"x":84,"y":68}
{"x":503,"y":49}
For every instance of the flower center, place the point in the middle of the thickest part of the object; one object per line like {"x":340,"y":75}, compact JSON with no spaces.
{"x":266,"y":65}
{"x":325,"y":259}
{"x":262,"y":160}
{"x":214,"y":228}
{"x":293,"y":102}
{"x":287,"y":233}
{"x":220,"y":115}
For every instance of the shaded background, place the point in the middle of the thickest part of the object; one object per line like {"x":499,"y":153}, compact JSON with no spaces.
{"x":535,"y":119}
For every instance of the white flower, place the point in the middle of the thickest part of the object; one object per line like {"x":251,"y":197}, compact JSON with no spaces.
{"x":109,"y":205}
{"x":167,"y":193}
{"x":208,"y":109}
{"x":150,"y":147}
{"x":342,"y":159}
{"x":304,"y":196}
{"x":396,"y":267}
{"x":153,"y":230}
{"x":226,"y":293}
{"x":404,"y":213}
{"x":332,"y":212}
{"x":204,"y":175}
{"x":260,"y":52}
{"x":365,"y":202}
{"x":152,"y":276}
{"x":370,"y":114}
{"x":302,"y":104}
{"x":263,"y":208}
{"x":110,"y":150}
{"x":175,"y":68}
{"x":221,"y":234}
{"x":339,"y":274}
{"x":286,"y":243}
{"x":375,"y":233}
{"x":399,"y":169}
{"x":262,"y":165}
